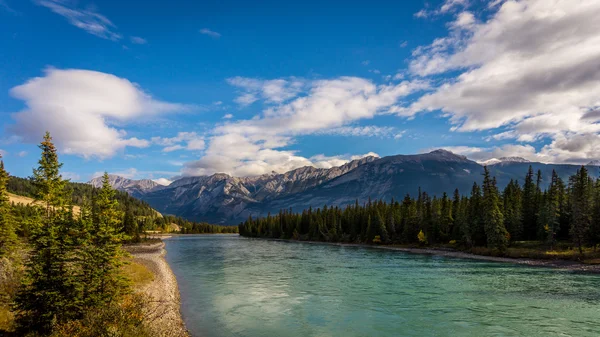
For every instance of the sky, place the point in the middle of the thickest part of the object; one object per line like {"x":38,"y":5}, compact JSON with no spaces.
{"x":160,"y":89}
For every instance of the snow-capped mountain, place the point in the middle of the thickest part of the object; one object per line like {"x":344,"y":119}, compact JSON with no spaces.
{"x":221,"y":198}
{"x":496,"y":161}
{"x":135,"y":188}
{"x":594,"y":163}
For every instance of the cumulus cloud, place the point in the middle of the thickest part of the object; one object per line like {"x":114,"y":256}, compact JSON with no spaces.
{"x":184,"y":140}
{"x":272,"y":91}
{"x":228,"y":116}
{"x":211,"y":33}
{"x":481,"y":154}
{"x":78,"y":108}
{"x":364,"y":131}
{"x":253,"y":147}
{"x":87,"y":19}
{"x":531,"y":68}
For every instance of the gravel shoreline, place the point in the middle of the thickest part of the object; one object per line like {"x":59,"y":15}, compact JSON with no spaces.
{"x":165,"y":307}
{"x":557,"y":264}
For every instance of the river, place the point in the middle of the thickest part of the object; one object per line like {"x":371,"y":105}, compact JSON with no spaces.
{"x":234,"y":286}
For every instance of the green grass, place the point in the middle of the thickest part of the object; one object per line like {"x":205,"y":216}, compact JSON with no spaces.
{"x":139,"y":274}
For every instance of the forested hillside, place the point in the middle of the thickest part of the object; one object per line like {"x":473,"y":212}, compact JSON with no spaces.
{"x":565,"y":211}
{"x":63,"y":273}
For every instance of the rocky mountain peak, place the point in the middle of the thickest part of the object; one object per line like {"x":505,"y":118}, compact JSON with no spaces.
{"x":442,"y":154}
{"x":595,"y":162}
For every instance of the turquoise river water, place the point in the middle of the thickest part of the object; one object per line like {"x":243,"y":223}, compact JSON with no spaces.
{"x":234,"y":286}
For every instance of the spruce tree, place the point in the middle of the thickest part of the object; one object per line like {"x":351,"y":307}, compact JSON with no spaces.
{"x":8,"y":237}
{"x":512,"y":210}
{"x":493,"y":219}
{"x":581,"y":207}
{"x":528,"y":209}
{"x":49,"y":293}
{"x":106,"y":282}
{"x":594,"y":236}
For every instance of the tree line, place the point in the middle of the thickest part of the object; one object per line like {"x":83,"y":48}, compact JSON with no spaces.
{"x":486,"y":217}
{"x":72,"y":281}
{"x":73,"y":264}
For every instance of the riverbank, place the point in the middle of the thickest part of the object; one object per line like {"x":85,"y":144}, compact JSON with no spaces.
{"x":164,"y":309}
{"x":557,"y":264}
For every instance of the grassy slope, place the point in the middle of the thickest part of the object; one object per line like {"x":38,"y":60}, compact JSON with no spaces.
{"x":19,"y":199}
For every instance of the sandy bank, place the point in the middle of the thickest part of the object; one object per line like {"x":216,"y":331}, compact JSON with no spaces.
{"x":164,"y":309}
{"x":559,"y":264}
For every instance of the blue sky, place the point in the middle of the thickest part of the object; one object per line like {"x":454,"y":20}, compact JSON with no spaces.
{"x":157,"y":89}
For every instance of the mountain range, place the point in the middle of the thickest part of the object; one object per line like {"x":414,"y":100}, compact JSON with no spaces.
{"x":221,"y":198}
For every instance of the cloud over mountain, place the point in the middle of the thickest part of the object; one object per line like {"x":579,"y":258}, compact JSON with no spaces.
{"x":531,"y":71}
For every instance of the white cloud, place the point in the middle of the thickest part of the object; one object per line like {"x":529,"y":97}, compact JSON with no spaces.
{"x":162,"y":181}
{"x":3,"y":153}
{"x":22,"y":154}
{"x":210,"y":33}
{"x":464,"y":20}
{"x":448,"y":6}
{"x":138,"y":40}
{"x":531,"y":68}
{"x":327,"y":162}
{"x":272,"y":91}
{"x":252,"y":147}
{"x":71,"y":176}
{"x":481,"y":154}
{"x":363,"y":131}
{"x":78,"y":108}
{"x":87,"y":19}
{"x":228,"y":116}
{"x":184,"y":140}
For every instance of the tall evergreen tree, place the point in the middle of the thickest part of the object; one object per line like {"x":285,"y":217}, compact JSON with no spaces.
{"x":8,"y":237}
{"x":493,"y":219}
{"x":49,"y":293}
{"x":512,"y":210}
{"x":549,"y":214}
{"x":528,"y":209}
{"x":594,"y":236}
{"x":581,"y":207}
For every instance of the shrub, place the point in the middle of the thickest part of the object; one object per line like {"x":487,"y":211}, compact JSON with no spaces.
{"x":124,"y":319}
{"x":422,"y":238}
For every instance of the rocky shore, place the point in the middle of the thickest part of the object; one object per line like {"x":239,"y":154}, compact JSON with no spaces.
{"x":164,"y":309}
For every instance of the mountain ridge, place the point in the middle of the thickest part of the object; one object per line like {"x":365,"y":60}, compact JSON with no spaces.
{"x":222,"y":198}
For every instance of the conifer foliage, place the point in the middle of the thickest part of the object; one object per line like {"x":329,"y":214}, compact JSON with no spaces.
{"x":8,"y":236}
{"x":485,"y":218}
{"x":74,"y":262}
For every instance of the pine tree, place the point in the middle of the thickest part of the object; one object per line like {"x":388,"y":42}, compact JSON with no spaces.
{"x":528,"y":209}
{"x":512,"y":202}
{"x":105,"y":252}
{"x":8,"y":237}
{"x":594,"y":236}
{"x":49,"y":293}
{"x":473,"y":231}
{"x":549,"y":214}
{"x":581,"y":207}
{"x":493,"y":219}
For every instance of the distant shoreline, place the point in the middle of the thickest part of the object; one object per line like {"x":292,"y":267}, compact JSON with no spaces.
{"x":163,"y":290}
{"x":556,"y":264}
